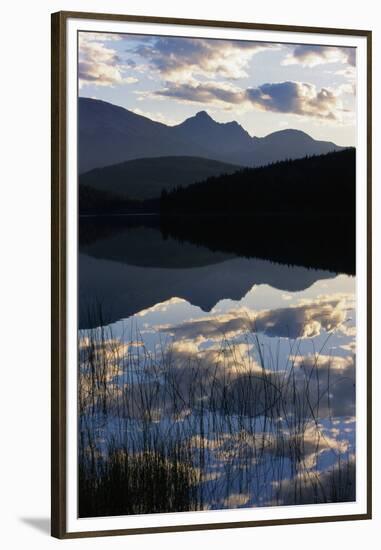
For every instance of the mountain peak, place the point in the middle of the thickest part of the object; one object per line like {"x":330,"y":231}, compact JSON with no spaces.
{"x":216,"y":137}
{"x":135,"y":136}
{"x":203,"y":115}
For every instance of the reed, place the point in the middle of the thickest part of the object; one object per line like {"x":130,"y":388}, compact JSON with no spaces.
{"x":163,"y":433}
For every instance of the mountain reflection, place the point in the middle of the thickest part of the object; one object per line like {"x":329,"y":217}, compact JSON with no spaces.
{"x":126,"y":268}
{"x":231,"y":375}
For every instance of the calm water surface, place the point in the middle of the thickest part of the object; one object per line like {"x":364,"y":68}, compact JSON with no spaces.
{"x":240,"y":368}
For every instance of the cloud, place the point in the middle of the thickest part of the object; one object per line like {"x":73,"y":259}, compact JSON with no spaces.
{"x":298,"y":98}
{"x":321,"y":387}
{"x":309,"y":55}
{"x":325,"y":363}
{"x":327,"y":384}
{"x":302,"y":321}
{"x":349,"y":73}
{"x":335,"y":484}
{"x":206,"y":93}
{"x":198,"y":373}
{"x":305,"y":320}
{"x":100,"y":64}
{"x":101,"y":36}
{"x":306,"y":447}
{"x":236,"y":500}
{"x":206,"y":350}
{"x":178,"y":59}
{"x":108,"y":351}
{"x":187,"y":376}
{"x":161,"y":306}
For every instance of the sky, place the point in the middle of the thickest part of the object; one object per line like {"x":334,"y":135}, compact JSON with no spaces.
{"x":264,"y":86}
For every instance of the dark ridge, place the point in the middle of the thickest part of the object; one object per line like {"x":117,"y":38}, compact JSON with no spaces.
{"x":145,"y":178}
{"x":324,"y":184}
{"x":309,"y":240}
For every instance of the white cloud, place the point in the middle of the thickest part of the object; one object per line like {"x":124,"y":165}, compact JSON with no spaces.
{"x":309,"y":55}
{"x":179,"y":59}
{"x":298,"y":98}
{"x":305,"y":320}
{"x":99,"y":64}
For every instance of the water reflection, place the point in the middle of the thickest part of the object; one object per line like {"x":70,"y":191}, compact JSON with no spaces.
{"x":134,"y":268}
{"x":216,"y":380}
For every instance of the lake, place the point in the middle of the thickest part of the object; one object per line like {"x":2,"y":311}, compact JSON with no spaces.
{"x":214,"y":376}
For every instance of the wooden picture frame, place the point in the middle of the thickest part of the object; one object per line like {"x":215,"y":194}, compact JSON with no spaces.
{"x":62,"y":360}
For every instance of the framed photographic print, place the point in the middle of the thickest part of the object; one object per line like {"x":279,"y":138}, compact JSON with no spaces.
{"x":211,"y":264}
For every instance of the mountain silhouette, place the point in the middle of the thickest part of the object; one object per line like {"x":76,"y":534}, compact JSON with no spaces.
{"x":109,"y":134}
{"x":286,"y":144}
{"x":320,"y":183}
{"x":145,"y":178}
{"x":219,"y":138}
{"x":135,"y":268}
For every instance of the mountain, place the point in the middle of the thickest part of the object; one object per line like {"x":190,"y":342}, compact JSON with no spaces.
{"x":108,"y":134}
{"x":124,"y":289}
{"x":230,"y":142}
{"x":287,"y":144}
{"x":220,"y":138}
{"x":145,"y":178}
{"x":135,"y":267}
